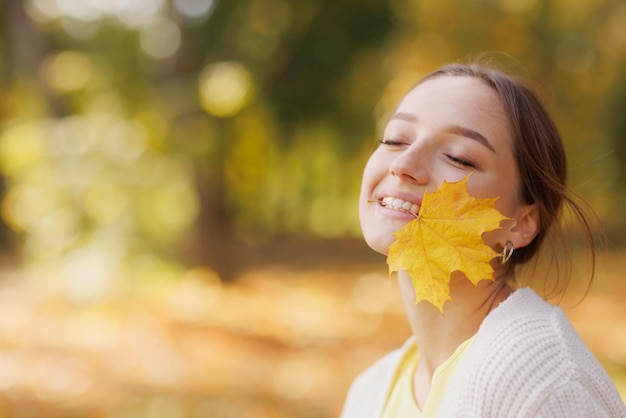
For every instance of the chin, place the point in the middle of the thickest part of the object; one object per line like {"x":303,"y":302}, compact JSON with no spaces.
{"x":378,"y":232}
{"x":379,"y":243}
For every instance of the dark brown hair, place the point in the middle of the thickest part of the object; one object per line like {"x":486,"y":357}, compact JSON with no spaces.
{"x":540,"y":156}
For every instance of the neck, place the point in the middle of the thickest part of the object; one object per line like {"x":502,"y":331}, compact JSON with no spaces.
{"x":437,"y":335}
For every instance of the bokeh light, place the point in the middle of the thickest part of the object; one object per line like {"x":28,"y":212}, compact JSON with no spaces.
{"x":91,"y":181}
{"x":224,"y":88}
{"x":24,"y":206}
{"x":134,"y":14}
{"x":161,"y":39}
{"x":22,"y":146}
{"x":195,"y":9}
{"x":68,"y":71}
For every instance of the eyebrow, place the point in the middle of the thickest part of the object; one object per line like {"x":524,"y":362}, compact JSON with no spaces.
{"x":453,"y":129}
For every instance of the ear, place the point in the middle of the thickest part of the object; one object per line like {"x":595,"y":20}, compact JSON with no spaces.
{"x":525,"y":225}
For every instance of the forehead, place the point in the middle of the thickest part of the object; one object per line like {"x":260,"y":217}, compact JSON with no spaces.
{"x":458,"y":100}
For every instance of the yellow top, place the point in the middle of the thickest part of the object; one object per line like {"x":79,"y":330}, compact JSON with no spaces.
{"x":401,"y":401}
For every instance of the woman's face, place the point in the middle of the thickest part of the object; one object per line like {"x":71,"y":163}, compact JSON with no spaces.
{"x":443,"y":129}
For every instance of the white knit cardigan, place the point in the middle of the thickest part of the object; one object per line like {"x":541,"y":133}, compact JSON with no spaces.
{"x":526,"y":361}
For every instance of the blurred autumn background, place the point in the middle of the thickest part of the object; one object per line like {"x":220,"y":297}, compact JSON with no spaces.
{"x":179,"y":179}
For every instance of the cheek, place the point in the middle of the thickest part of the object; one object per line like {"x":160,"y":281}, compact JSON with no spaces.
{"x":376,"y":236}
{"x":371,"y":176}
{"x":501,"y":186}
{"x":368,"y":184}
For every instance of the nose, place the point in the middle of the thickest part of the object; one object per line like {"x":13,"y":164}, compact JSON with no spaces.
{"x":411,"y":165}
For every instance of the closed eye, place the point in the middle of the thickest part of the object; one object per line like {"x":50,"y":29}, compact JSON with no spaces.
{"x":461,"y":161}
{"x":390,"y":142}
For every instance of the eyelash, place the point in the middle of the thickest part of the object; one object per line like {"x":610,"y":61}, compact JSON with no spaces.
{"x":390,"y":143}
{"x":452,"y":158}
{"x":461,"y":161}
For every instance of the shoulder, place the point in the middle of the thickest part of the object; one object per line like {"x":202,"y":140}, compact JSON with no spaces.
{"x":368,"y":392}
{"x":527,"y":355}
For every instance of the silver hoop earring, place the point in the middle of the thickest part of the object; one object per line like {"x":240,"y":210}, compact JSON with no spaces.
{"x":507,"y":252}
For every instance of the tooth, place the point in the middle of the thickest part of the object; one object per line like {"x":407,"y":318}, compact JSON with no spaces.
{"x":406,"y":205}
{"x":397,"y":203}
{"x":414,"y":208}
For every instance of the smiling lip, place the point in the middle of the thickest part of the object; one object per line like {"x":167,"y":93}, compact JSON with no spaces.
{"x":399,"y":204}
{"x":399,"y":201}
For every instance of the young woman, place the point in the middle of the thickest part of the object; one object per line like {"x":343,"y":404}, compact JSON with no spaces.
{"x":497,"y":351}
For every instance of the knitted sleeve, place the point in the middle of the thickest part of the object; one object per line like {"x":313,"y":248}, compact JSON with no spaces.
{"x":574,"y":400}
{"x":587,"y":391}
{"x":528,"y":361}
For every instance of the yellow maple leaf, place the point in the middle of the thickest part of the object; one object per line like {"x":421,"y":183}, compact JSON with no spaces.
{"x":445,"y":237}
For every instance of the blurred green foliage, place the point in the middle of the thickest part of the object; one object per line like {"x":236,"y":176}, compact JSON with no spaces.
{"x":143,"y":136}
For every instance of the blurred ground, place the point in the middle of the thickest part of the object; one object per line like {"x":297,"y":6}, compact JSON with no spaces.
{"x":285,"y":339}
